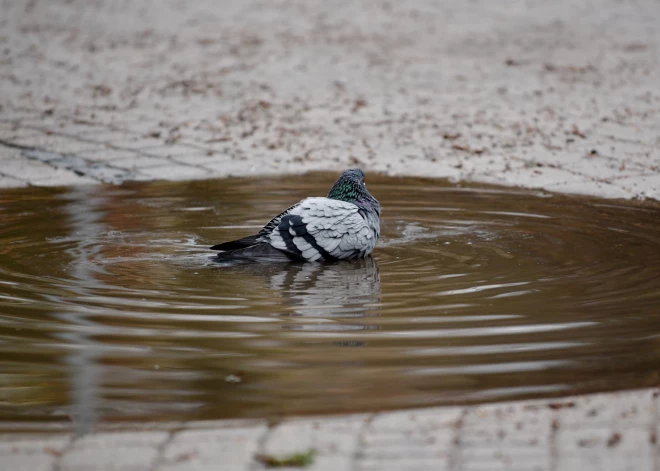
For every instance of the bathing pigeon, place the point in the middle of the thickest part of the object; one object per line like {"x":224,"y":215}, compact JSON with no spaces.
{"x":344,"y":225}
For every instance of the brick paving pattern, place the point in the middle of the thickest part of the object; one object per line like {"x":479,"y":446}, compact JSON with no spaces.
{"x":558,"y":95}
{"x":614,"y":431}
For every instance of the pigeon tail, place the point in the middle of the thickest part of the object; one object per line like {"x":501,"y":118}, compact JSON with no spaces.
{"x":238,"y":243}
{"x":262,"y":251}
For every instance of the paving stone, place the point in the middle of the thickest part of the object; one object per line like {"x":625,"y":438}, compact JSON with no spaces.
{"x":27,"y":463}
{"x":23,"y":168}
{"x":80,"y":171}
{"x":125,"y":141}
{"x":53,"y":143}
{"x":8,"y":153}
{"x":31,"y":452}
{"x":408,"y":439}
{"x":175,"y":151}
{"x":200,"y":158}
{"x":506,"y":460}
{"x":173,"y":172}
{"x":655,"y":442}
{"x":430,"y":421}
{"x":113,"y":136}
{"x":223,"y":166}
{"x":605,"y":190}
{"x":643,"y":186}
{"x":13,"y":133}
{"x":221,"y":424}
{"x":333,"y":441}
{"x":90,"y":459}
{"x":506,"y":437}
{"x":633,"y":409}
{"x":407,"y":464}
{"x":11,"y":182}
{"x":604,"y":449}
{"x":112,"y":156}
{"x":62,"y":178}
{"x":114,"y":451}
{"x":7,"y":125}
{"x":137,"y":161}
{"x":508,"y":426}
{"x":33,"y":445}
{"x":122,"y":440}
{"x":233,"y":447}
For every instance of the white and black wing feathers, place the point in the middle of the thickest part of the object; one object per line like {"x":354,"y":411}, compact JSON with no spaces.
{"x":322,"y":228}
{"x":273,"y":223}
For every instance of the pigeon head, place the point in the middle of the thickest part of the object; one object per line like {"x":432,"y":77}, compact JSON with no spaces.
{"x":352,"y":188}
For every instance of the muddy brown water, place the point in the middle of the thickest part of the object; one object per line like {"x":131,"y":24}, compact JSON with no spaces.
{"x":111,"y":308}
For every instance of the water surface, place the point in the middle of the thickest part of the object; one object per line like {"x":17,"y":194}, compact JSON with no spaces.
{"x":112,"y":309}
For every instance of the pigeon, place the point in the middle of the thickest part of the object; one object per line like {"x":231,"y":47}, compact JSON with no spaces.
{"x":342,"y":226}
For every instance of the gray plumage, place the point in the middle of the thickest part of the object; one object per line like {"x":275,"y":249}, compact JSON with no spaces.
{"x":344,"y":225}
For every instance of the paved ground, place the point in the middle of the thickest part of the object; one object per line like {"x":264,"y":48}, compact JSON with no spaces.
{"x":595,"y":432}
{"x":561,"y":95}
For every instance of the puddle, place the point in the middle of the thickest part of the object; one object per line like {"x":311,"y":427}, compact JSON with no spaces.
{"x":111,"y":309}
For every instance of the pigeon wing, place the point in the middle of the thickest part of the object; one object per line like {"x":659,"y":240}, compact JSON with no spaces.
{"x":255,"y":239}
{"x":323,"y":228}
{"x":273,"y":223}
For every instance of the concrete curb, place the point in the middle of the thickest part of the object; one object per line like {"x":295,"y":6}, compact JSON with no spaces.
{"x":614,"y":431}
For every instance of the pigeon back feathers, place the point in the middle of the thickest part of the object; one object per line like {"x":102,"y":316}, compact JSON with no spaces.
{"x":322,"y":228}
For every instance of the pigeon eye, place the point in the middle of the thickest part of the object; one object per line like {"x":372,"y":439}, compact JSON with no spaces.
{"x":363,"y":182}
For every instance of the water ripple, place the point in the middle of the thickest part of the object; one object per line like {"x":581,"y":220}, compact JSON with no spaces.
{"x":111,"y":307}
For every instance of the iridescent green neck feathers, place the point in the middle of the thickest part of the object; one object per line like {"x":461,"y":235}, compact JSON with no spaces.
{"x":351,"y":187}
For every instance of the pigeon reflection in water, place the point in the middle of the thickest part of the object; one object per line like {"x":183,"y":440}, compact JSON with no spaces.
{"x":322,"y":297}
{"x":337,"y":290}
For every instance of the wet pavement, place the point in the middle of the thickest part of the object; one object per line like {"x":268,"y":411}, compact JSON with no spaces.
{"x":560,"y":96}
